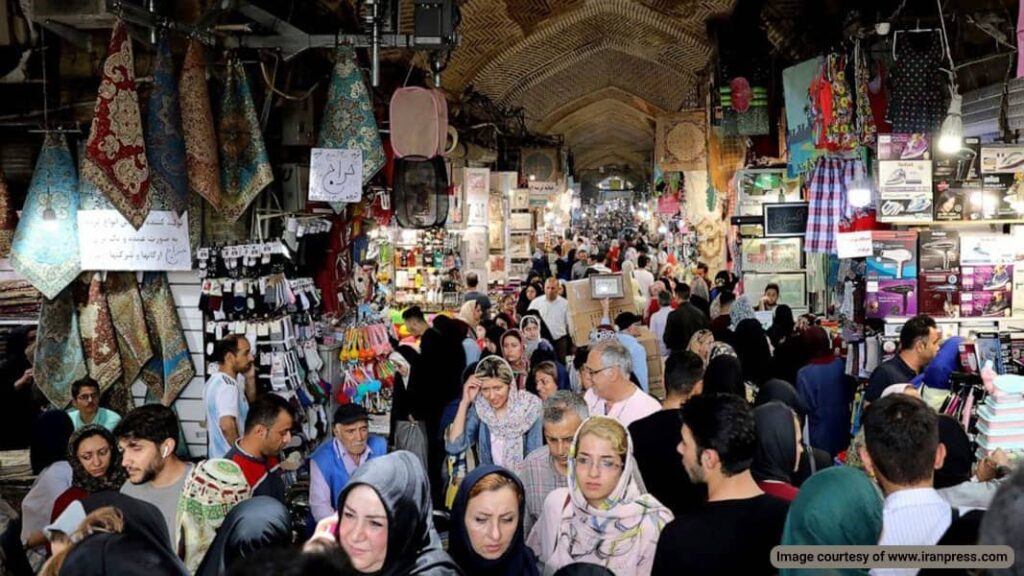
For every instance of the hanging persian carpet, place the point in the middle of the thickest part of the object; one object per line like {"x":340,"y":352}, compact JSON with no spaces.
{"x":348,"y":121}
{"x":170,"y":369}
{"x":8,"y":218}
{"x":244,"y":164}
{"x":129,"y":324}
{"x":50,"y":212}
{"x":115,"y":154}
{"x":97,"y":331}
{"x":59,"y":360}
{"x":165,"y":146}
{"x":198,"y":128}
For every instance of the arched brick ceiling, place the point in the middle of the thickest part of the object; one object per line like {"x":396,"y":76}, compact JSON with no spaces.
{"x":595,"y":71}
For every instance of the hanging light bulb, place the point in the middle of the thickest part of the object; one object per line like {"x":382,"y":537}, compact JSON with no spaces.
{"x":952,"y":135}
{"x":858,"y":191}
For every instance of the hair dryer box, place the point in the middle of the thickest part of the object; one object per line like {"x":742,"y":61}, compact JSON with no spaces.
{"x":891,"y":297}
{"x":939,"y":250}
{"x":893,"y":254}
{"x":940,"y":293}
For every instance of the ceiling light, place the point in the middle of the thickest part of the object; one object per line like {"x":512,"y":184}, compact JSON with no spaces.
{"x":951,"y":137}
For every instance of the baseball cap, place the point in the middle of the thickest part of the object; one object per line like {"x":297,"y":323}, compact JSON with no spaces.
{"x":349,"y":413}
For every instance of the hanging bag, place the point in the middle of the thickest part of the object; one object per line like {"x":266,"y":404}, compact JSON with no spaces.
{"x":419,"y":122}
{"x":421,"y":192}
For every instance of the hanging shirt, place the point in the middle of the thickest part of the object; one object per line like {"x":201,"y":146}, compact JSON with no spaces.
{"x":223,"y":396}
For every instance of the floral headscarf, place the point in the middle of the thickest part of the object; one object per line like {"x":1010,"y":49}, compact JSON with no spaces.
{"x":701,"y":343}
{"x":115,"y":476}
{"x":740,"y":311}
{"x":521,"y":411}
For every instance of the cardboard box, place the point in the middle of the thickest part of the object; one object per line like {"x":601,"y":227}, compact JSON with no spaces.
{"x":889,"y":297}
{"x":986,"y":249}
{"x":894,"y":254}
{"x":1005,"y":159}
{"x":938,"y":250}
{"x":987,"y":278}
{"x":1018,"y":290}
{"x":959,"y":166}
{"x":940,"y":293}
{"x":996,"y":304}
{"x":986,"y":346}
{"x":655,"y":366}
{"x":903,"y":147}
{"x":951,"y":201}
{"x":904,"y":190}
{"x":585,"y":312}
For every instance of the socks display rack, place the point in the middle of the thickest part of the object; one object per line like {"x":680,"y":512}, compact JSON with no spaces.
{"x":256,"y":289}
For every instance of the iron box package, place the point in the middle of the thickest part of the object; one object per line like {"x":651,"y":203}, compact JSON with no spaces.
{"x":987,"y":278}
{"x":904,"y":190}
{"x":965,"y":164}
{"x":994,"y":304}
{"x":903,"y":147}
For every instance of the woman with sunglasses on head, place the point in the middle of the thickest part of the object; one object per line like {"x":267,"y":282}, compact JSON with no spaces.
{"x":603,"y":517}
{"x":503,"y":421}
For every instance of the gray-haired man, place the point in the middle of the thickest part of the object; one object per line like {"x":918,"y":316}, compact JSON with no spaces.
{"x":612,"y":393}
{"x":547,"y":467}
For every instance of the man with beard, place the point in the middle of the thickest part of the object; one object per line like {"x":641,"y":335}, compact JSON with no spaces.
{"x":227,"y":405}
{"x":148,"y":437}
{"x":718,"y":442}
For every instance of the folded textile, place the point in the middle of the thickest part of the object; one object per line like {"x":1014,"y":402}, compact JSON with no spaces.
{"x":50,"y":211}
{"x":165,"y":145}
{"x":99,"y":343}
{"x":59,"y":359}
{"x":170,"y":369}
{"x":244,"y":165}
{"x":115,"y":153}
{"x":8,"y":218}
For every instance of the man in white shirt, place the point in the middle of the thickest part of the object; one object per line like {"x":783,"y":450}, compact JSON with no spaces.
{"x":902,"y":450}
{"x":613,"y":394}
{"x":659,"y":319}
{"x":554,"y":310}
{"x":643,"y":277}
{"x":226,"y":404}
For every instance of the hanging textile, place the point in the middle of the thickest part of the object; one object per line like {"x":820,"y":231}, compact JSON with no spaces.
{"x":50,"y":212}
{"x":115,"y":154}
{"x":348,"y":121}
{"x":198,"y":128}
{"x":917,"y":101}
{"x":170,"y":369}
{"x":99,"y":344}
{"x":59,"y":360}
{"x":796,"y":83}
{"x":826,"y":190}
{"x":165,"y":146}
{"x":8,"y":218}
{"x":244,"y":165}
{"x":129,"y":324}
{"x":866,"y":129}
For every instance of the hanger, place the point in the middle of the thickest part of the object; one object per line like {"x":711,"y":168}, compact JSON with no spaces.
{"x":916,"y":30}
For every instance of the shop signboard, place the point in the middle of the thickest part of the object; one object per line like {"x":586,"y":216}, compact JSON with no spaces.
{"x":107,"y":241}
{"x":541,"y":193}
{"x":336,"y":175}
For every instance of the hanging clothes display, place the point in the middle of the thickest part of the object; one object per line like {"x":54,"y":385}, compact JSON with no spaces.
{"x":59,"y":360}
{"x":8,"y":218}
{"x":50,"y":211}
{"x":348,"y":120}
{"x":97,"y":331}
{"x":129,"y":323}
{"x":244,"y":165}
{"x":796,"y":85}
{"x":826,"y":191}
{"x":115,"y":154}
{"x":165,"y":146}
{"x":917,"y":103}
{"x":198,"y":128}
{"x":170,"y":369}
{"x":866,"y":131}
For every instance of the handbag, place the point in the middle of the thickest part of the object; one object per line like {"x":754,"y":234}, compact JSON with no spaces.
{"x":411,"y":435}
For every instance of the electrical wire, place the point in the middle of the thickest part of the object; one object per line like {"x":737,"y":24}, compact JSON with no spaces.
{"x":945,"y":42}
{"x":272,"y":88}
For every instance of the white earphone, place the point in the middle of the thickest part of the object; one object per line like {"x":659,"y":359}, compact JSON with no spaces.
{"x":165,"y":452}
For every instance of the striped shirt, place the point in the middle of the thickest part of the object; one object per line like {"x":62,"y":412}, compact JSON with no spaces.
{"x":914,"y":517}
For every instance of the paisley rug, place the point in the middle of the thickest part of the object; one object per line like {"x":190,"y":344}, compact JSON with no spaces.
{"x":59,"y":360}
{"x":170,"y":369}
{"x":244,"y":165}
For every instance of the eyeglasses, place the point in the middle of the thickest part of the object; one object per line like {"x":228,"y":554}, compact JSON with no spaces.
{"x":603,"y":465}
{"x":87,"y":397}
{"x":590,"y":371}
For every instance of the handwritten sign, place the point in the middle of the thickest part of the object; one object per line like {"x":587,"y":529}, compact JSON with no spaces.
{"x":335,"y":175}
{"x":853,"y":244}
{"x":477,"y":184}
{"x":108,"y":242}
{"x":785,"y":219}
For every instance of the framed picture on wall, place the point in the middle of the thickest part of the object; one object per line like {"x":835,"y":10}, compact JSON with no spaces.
{"x":792,"y":287}
{"x":771,"y":254}
{"x":519,"y":246}
{"x":520,"y":199}
{"x":520,"y":222}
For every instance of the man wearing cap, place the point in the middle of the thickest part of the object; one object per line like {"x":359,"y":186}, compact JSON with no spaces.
{"x":333,"y":463}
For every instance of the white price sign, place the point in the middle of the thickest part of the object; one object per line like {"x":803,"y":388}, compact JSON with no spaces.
{"x":335,"y":175}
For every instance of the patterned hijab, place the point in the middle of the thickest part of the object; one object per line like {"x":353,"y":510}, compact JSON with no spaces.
{"x":521,"y":411}
{"x":740,"y":311}
{"x":211,"y":490}
{"x":521,"y":368}
{"x":619,"y":533}
{"x":59,"y":359}
{"x":81,"y":478}
{"x":348,"y":117}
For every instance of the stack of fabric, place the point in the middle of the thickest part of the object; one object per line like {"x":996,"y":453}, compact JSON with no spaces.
{"x":19,"y":300}
{"x":1001,"y":416}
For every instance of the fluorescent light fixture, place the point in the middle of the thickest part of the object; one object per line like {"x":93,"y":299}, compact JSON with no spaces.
{"x":952,"y":135}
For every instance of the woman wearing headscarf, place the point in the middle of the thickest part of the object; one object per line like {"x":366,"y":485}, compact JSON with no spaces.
{"x":18,"y":401}
{"x":700,"y":344}
{"x":826,"y":391}
{"x":544,"y":379}
{"x":258,"y":523}
{"x":531,"y":328}
{"x":724,"y":375}
{"x":740,"y":311}
{"x":513,"y":350}
{"x":528,"y":294}
{"x":503,"y":422}
{"x":783,"y":325}
{"x":602,"y":517}
{"x":95,"y":466}
{"x":755,"y":352}
{"x":51,"y":432}
{"x":779,"y":446}
{"x":836,"y":507}
{"x":486,"y":535}
{"x":700,"y":297}
{"x":385,"y":522}
{"x":213,"y":487}
{"x":811,"y":459}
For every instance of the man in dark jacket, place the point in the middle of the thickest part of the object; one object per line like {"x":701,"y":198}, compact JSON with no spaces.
{"x":684,"y":321}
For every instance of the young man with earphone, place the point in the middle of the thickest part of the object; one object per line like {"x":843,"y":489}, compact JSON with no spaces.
{"x":148,"y":438}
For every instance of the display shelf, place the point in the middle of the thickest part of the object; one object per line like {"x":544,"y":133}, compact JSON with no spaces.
{"x":18,"y":321}
{"x":951,"y":222}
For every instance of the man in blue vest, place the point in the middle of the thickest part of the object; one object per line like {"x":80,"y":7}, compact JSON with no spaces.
{"x":335,"y":460}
